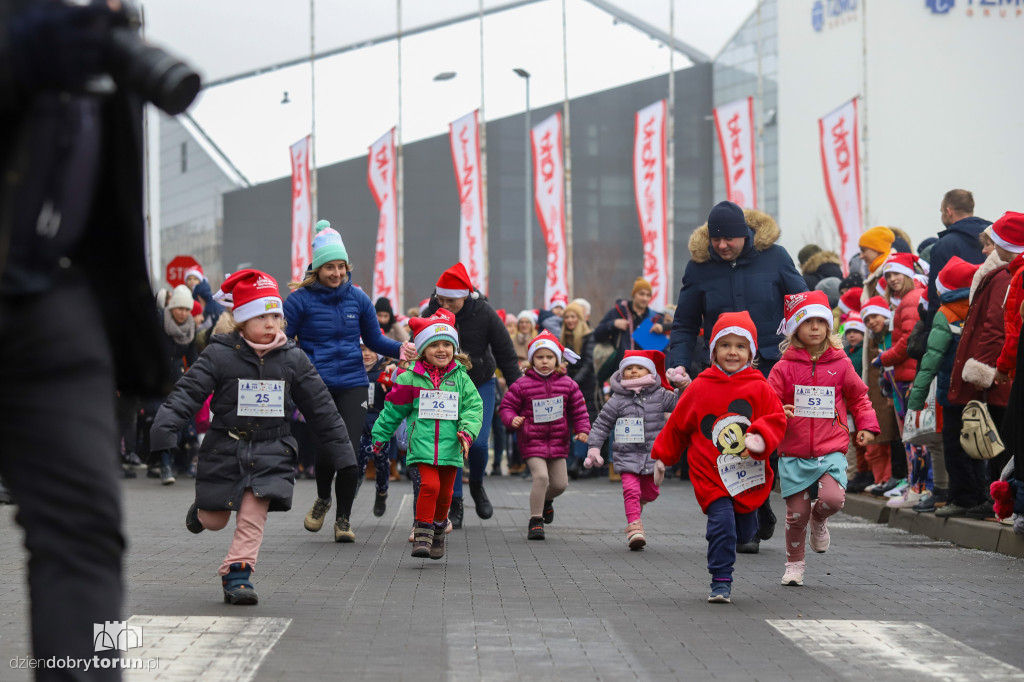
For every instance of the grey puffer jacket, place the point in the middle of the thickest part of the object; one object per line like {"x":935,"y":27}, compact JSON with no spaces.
{"x":651,"y":403}
{"x":263,"y":458}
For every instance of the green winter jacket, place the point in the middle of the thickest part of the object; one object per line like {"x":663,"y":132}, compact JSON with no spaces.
{"x":431,"y":441}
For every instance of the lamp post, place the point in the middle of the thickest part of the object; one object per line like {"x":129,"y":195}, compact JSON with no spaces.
{"x":525,"y":75}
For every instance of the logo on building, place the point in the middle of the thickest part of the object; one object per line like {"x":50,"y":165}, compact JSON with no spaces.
{"x":1000,"y":9}
{"x":940,"y":6}
{"x":832,"y":13}
{"x":116,"y":634}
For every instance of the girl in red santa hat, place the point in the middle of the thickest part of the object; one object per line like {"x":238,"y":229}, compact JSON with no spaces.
{"x":635,"y":413}
{"x":247,"y":461}
{"x":728,"y":421}
{"x":542,"y":408}
{"x":818,"y":388}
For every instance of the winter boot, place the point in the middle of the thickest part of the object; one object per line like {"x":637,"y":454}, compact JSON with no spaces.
{"x":166,"y":475}
{"x":612,"y":476}
{"x":635,"y":535}
{"x":237,"y":588}
{"x":535,"y":531}
{"x":437,"y":543}
{"x":394,"y":472}
{"x":192,"y":521}
{"x":455,"y":512}
{"x":423,"y":539}
{"x":380,"y":504}
{"x":315,"y":518}
{"x":549,"y":511}
{"x":343,"y":530}
{"x":765,"y":521}
{"x":483,"y":505}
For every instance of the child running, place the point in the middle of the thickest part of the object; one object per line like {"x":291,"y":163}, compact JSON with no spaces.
{"x":247,"y":461}
{"x":540,"y":407}
{"x":635,"y":413}
{"x":818,"y":386}
{"x":728,"y":421}
{"x":445,"y":414}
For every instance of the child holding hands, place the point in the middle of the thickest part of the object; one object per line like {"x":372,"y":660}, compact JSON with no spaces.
{"x":729,"y":421}
{"x":445,"y":414}
{"x":818,"y":386}
{"x":641,"y":396}
{"x":540,"y":407}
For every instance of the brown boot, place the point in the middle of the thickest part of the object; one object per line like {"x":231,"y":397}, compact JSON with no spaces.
{"x":371,"y":472}
{"x":612,"y":476}
{"x":437,"y":543}
{"x":423,"y":537}
{"x":394,"y":471}
{"x":635,"y":535}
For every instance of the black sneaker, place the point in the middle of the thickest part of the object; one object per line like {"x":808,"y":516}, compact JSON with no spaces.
{"x":981,"y":511}
{"x":765,"y":521}
{"x":549,"y":512}
{"x":380,"y":504}
{"x":860,"y":481}
{"x":536,"y":529}
{"x":192,"y":521}
{"x":752,"y":547}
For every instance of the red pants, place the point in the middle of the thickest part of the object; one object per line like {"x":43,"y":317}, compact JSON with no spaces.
{"x":880,"y":460}
{"x":436,"y":483}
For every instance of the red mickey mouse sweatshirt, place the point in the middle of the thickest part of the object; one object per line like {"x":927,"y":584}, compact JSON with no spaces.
{"x":710,"y":422}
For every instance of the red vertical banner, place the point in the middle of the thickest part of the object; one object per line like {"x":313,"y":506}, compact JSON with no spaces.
{"x":734,"y":123}
{"x":649,"y":184}
{"x":381,"y":177}
{"x":840,"y":161}
{"x":465,"y":141}
{"x":549,"y":200}
{"x":302,"y":210}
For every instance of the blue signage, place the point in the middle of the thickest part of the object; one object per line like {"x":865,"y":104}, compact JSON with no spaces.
{"x":835,"y":11}
{"x":940,"y":6}
{"x":818,"y":15}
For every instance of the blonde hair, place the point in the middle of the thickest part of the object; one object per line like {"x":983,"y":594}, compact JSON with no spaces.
{"x":574,"y":339}
{"x":459,"y":357}
{"x":225,"y":323}
{"x":313,"y":276}
{"x":831,"y":341}
{"x":908,"y":285}
{"x":236,"y":326}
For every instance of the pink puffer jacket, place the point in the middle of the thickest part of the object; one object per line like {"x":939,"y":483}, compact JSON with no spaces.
{"x":544,"y":439}
{"x":818,"y":436}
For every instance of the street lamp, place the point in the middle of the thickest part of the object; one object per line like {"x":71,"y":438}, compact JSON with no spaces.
{"x":445,"y":76}
{"x":525,"y":75}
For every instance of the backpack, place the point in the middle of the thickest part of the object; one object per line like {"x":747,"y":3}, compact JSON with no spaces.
{"x":917,"y":342}
{"x":979,"y":437}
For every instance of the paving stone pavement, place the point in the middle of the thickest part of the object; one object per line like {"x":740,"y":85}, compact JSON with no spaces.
{"x":577,"y":606}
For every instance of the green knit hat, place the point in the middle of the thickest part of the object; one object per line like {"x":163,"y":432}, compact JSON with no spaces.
{"x":327,"y":245}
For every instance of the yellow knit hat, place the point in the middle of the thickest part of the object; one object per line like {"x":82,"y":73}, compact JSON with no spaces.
{"x":877,"y":239}
{"x":641,"y":284}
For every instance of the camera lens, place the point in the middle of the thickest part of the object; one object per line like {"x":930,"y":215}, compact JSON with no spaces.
{"x":159,"y":77}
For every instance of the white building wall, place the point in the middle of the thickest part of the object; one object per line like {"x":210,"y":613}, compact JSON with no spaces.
{"x":941,"y":111}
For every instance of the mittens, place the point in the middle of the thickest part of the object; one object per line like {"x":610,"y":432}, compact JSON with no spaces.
{"x":594,"y":458}
{"x":754,"y":443}
{"x":659,"y":472}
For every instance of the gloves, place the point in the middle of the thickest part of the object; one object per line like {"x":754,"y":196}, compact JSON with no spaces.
{"x":677,"y":376}
{"x":378,"y":447}
{"x":659,"y":472}
{"x":754,"y":443}
{"x":58,"y":46}
{"x":877,"y":362}
{"x":594,"y":458}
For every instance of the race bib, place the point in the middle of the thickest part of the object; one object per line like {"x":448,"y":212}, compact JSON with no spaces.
{"x":740,"y":473}
{"x":260,"y":398}
{"x":439,"y":405}
{"x":547,"y":410}
{"x":371,"y":395}
{"x":629,"y":430}
{"x":814,"y":401}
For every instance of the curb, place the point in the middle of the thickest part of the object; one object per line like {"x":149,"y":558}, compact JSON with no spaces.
{"x":983,"y":535}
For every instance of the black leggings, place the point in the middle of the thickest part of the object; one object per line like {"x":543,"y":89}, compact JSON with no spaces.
{"x":351,"y":403}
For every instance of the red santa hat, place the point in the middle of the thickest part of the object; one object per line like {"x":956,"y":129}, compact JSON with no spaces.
{"x":850,"y":301}
{"x":558,"y":300}
{"x":905,"y":264}
{"x":651,"y":360}
{"x":424,"y":304}
{"x":875,"y":305}
{"x":454,"y":282}
{"x":1008,"y":232}
{"x":254,"y":293}
{"x":854,"y":323}
{"x":548,"y":340}
{"x":735,"y":323}
{"x":955,"y":274}
{"x":805,"y":306}
{"x":195,"y":271}
{"x":437,"y":327}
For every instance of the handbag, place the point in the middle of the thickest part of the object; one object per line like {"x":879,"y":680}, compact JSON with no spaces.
{"x":922,"y":427}
{"x":979,"y":437}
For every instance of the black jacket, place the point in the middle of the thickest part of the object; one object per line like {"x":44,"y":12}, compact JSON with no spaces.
{"x":583,"y":374}
{"x":959,"y":239}
{"x":607,"y":332}
{"x":484,"y":338}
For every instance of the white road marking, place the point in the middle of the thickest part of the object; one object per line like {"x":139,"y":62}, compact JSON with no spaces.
{"x":909,"y":650}
{"x":213,"y":648}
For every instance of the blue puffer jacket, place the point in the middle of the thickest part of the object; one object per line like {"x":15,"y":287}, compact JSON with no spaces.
{"x":756,"y":282}
{"x":328,"y":324}
{"x":211,"y":309}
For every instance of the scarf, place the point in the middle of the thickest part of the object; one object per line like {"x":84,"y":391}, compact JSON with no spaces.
{"x":637,"y":385}
{"x":435,"y":373}
{"x":181,"y":334}
{"x":263,"y":348}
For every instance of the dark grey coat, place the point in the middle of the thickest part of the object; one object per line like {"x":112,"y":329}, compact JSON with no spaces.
{"x":227,"y":466}
{"x":651,"y":403}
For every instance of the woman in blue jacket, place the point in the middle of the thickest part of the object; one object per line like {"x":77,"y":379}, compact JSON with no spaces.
{"x":328,"y":315}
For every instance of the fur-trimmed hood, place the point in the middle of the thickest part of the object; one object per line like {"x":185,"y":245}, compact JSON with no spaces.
{"x":991,"y":263}
{"x":817,"y":260}
{"x":765,"y":232}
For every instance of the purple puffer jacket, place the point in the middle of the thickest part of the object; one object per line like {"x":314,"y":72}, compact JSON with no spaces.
{"x":547,"y":439}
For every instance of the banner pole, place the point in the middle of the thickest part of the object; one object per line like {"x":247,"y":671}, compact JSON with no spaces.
{"x":670,"y":161}
{"x":567,"y":161}
{"x":312,"y":121}
{"x":485,"y":265}
{"x":400,"y":172}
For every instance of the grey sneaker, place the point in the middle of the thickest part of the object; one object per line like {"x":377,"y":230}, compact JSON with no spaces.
{"x":315,"y":518}
{"x":343,"y":531}
{"x":721,"y":593}
{"x":951,"y":510}
{"x":166,"y":476}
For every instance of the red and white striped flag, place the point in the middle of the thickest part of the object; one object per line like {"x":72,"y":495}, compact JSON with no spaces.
{"x":384,"y":186}
{"x":840,"y":161}
{"x":549,"y":200}
{"x":734,"y":123}
{"x":649,"y":184}
{"x":302,"y":210}
{"x":465,"y":141}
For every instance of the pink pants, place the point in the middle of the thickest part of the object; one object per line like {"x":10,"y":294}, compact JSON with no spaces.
{"x":831,"y":498}
{"x":249,"y":523}
{"x":637,"y":490}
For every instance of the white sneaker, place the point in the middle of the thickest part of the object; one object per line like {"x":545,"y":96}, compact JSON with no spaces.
{"x":820,"y":538}
{"x":908,"y":499}
{"x":794,"y":575}
{"x":900,"y":488}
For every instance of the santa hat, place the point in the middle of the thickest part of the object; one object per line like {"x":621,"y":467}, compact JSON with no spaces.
{"x":197,"y":308}
{"x":905,"y":264}
{"x":181,"y":297}
{"x":805,"y":306}
{"x":734,"y":323}
{"x":652,"y":360}
{"x":501,"y":315}
{"x":195,"y":271}
{"x":875,"y":305}
{"x":1008,"y":232}
{"x":955,"y":274}
{"x":424,"y":304}
{"x":327,"y":245}
{"x":454,"y":282}
{"x":850,"y":301}
{"x":439,"y":326}
{"x":854,"y":323}
{"x":254,"y":293}
{"x":558,"y":300}
{"x":547,"y":340}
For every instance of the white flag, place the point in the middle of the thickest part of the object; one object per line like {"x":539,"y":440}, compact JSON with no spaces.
{"x":384,"y":186}
{"x":465,"y":141}
{"x":649,"y":184}
{"x":734,"y":123}
{"x":838,"y":132}
{"x":549,"y":199}
{"x":302,"y":210}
